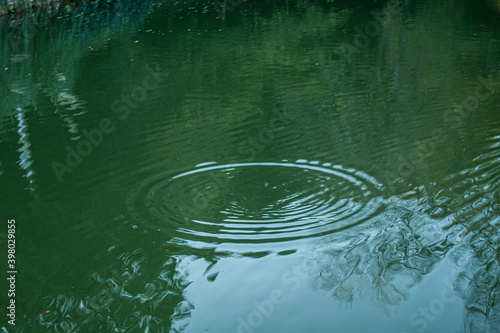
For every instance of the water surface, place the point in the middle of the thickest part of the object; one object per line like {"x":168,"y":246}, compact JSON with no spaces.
{"x":294,"y":167}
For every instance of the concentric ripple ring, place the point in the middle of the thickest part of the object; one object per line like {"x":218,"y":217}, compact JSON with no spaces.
{"x":257,"y":202}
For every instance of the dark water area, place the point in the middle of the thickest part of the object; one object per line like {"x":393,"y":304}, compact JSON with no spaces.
{"x":271,"y":167}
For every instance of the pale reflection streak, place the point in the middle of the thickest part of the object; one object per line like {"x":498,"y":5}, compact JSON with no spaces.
{"x":25,"y":158}
{"x":65,"y":100}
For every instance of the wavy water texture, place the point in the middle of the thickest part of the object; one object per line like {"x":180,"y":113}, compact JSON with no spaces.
{"x":381,"y":262}
{"x":336,"y":137}
{"x":125,"y":297}
{"x":261,"y":202}
{"x":478,"y":218}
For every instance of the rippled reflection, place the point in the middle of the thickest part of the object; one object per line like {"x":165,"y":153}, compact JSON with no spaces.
{"x":382,"y":261}
{"x":477,"y":255}
{"x":255,"y":202}
{"x":135,"y":293}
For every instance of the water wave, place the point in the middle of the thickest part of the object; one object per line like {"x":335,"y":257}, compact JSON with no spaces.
{"x":260,"y":202}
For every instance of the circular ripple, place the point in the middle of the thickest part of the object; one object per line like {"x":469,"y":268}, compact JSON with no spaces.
{"x":255,"y":202}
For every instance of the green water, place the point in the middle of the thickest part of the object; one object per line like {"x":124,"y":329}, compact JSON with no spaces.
{"x":295,"y":167}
